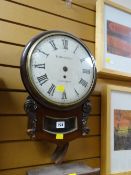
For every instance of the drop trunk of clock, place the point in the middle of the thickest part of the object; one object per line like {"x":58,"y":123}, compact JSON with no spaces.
{"x":56,"y":126}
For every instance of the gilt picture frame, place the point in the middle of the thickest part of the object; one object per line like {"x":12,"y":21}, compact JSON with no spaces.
{"x":116,"y":131}
{"x":113,"y":40}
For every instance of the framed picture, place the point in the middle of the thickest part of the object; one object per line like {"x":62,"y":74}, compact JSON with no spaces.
{"x":113,"y":40}
{"x":116,"y":131}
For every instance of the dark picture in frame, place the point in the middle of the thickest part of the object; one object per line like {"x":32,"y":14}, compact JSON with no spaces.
{"x":118,"y":39}
{"x":122,"y":129}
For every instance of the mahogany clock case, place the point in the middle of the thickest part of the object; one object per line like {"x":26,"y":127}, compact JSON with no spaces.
{"x":33,"y":92}
{"x":57,"y":115}
{"x":47,"y":124}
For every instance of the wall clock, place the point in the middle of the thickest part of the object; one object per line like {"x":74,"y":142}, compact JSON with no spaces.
{"x":59,"y":73}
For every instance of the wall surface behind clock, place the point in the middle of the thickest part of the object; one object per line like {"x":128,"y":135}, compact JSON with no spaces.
{"x":20,"y":20}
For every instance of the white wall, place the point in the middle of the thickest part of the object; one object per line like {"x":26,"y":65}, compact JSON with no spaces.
{"x":126,"y":3}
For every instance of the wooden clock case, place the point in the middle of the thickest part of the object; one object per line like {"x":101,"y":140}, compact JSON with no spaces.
{"x":44,"y":108}
{"x":40,"y":109}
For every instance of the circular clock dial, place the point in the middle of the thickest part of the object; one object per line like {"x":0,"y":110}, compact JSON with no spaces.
{"x":60,"y":69}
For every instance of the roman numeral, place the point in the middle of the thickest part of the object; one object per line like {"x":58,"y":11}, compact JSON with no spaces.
{"x":43,"y":52}
{"x":76,"y":92}
{"x":51,"y":90}
{"x":82,"y":60}
{"x":42,"y":79}
{"x":65,"y":43}
{"x":53,"y":44}
{"x":40,"y":66}
{"x":64,"y":95}
{"x":76,"y":48}
{"x":86,"y":71}
{"x":83,"y":82}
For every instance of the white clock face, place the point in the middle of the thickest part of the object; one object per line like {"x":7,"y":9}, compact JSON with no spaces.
{"x":60,"y":69}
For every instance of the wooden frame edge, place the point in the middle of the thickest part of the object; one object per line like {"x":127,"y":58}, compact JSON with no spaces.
{"x":99,"y":38}
{"x":104,"y":134}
